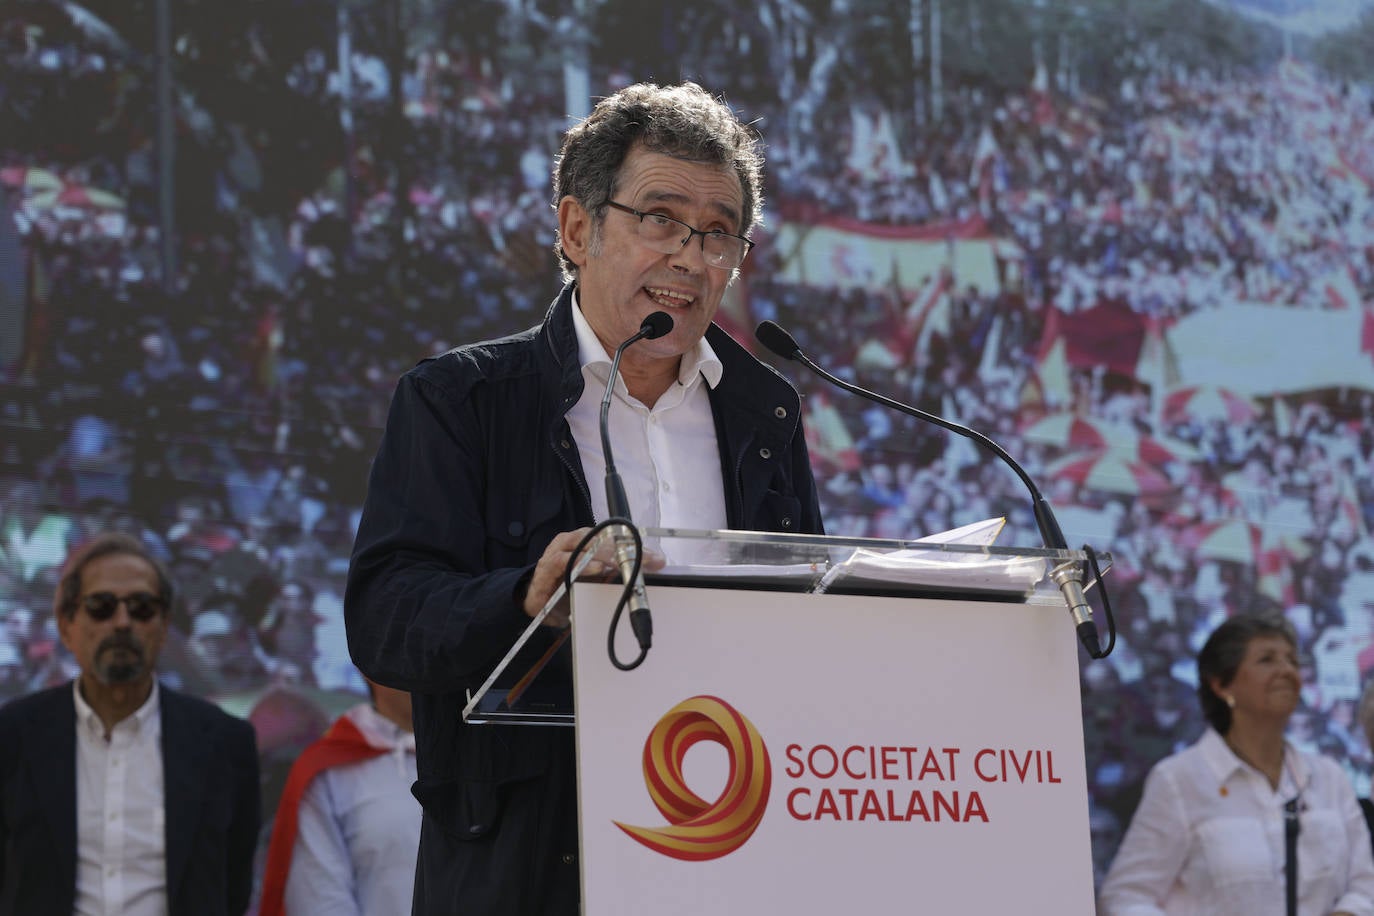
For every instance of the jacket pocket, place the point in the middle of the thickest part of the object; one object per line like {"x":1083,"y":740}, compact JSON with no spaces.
{"x":522,"y":517}
{"x":495,"y":764}
{"x":467,"y":811}
{"x":779,"y":512}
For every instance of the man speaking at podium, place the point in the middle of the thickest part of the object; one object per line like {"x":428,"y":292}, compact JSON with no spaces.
{"x":489,"y":473}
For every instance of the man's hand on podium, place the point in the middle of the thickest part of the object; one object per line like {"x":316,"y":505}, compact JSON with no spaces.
{"x":548,"y":574}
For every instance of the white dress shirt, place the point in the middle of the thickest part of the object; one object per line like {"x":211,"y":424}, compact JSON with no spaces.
{"x":667,"y":455}
{"x":1208,"y":840}
{"x":121,"y":862}
{"x":358,"y":831}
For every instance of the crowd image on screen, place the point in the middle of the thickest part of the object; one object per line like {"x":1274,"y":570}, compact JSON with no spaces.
{"x":338,"y":221}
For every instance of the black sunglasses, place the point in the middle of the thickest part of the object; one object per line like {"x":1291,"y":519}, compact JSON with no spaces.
{"x":142,"y":606}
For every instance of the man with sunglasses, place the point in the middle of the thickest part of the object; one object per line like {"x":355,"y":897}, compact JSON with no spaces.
{"x":119,"y":795}
{"x":490,"y":470}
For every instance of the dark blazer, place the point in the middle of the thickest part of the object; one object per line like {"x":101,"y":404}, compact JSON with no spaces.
{"x":210,"y":779}
{"x":477,"y":471}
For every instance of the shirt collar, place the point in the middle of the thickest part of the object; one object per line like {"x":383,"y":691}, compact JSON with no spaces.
{"x":379,"y":731}
{"x":87,"y":718}
{"x":701,"y":359}
{"x":1220,"y":759}
{"x":1223,"y":762}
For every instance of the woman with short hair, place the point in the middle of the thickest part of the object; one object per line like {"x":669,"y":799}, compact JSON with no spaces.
{"x":1228,"y":825}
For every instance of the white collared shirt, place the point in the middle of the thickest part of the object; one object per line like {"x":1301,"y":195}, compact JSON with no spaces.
{"x":1208,"y":840}
{"x":121,"y":863}
{"x":667,"y":455}
{"x":358,"y":830}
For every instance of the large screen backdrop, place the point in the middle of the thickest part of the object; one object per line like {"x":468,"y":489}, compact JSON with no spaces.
{"x":1132,"y":242}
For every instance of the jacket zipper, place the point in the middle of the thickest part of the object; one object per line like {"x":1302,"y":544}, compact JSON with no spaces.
{"x":577,"y":477}
{"x":737,"y":491}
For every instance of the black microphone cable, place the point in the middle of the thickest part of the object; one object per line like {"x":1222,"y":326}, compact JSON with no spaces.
{"x":626,"y":592}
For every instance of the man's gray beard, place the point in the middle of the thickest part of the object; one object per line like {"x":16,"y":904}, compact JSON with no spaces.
{"x":124,"y":670}
{"x":121,"y":672}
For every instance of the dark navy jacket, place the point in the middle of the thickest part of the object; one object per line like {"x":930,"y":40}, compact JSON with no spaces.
{"x":476,"y":473}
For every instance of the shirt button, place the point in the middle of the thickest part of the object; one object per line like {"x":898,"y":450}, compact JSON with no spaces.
{"x":667,"y":487}
{"x":780,"y":413}
{"x":765,"y":453}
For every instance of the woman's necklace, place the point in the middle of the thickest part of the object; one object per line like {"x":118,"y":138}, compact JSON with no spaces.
{"x":1273,"y":777}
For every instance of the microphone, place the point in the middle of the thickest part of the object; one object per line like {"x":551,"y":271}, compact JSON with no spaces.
{"x":1067,"y":575}
{"x":655,"y":325}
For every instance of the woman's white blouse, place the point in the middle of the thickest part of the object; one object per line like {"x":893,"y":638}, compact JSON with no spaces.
{"x":1208,"y":839}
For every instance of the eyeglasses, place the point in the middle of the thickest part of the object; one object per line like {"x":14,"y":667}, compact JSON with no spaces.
{"x":663,"y":233}
{"x":142,"y":606}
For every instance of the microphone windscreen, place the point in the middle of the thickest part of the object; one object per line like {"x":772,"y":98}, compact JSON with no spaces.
{"x":655,"y":325}
{"x":776,"y":339}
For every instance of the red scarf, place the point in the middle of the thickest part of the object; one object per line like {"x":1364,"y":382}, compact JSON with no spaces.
{"x":342,"y":744}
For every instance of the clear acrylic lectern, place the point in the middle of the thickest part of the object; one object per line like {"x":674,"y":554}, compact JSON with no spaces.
{"x":753,"y":560}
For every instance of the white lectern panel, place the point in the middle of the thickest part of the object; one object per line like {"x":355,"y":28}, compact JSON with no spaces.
{"x":831,"y":754}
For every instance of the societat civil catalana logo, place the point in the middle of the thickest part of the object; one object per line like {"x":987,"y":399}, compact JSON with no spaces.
{"x":697,"y":829}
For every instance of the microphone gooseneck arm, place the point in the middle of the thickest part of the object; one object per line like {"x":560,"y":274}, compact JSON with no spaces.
{"x":655,"y":325}
{"x":1067,"y":575}
{"x":628,"y":548}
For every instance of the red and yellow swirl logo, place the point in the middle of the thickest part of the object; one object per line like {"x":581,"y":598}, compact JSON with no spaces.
{"x":702,"y":830}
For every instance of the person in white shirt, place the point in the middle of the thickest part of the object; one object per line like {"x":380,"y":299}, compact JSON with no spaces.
{"x":347,"y":830}
{"x":1211,"y":834}
{"x":118,"y":796}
